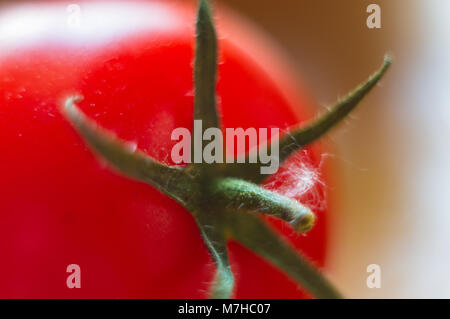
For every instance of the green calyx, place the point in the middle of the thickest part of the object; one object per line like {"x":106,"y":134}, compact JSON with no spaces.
{"x":225,"y":199}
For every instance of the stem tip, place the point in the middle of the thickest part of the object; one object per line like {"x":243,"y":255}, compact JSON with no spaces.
{"x":304,"y":223}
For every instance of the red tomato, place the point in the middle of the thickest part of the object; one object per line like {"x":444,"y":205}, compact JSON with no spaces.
{"x":59,"y":205}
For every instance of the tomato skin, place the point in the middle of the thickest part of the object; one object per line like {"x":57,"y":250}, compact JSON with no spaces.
{"x":60,"y":205}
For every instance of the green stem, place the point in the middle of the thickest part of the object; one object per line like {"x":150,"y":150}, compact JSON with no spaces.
{"x":308,"y":134}
{"x":223,"y":283}
{"x":205,"y":75}
{"x":128,"y":160}
{"x":245,"y":196}
{"x":213,"y":235}
{"x":253,"y":233}
{"x":301,"y":136}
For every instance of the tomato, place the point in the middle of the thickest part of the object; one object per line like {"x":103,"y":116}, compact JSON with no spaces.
{"x":133,"y":64}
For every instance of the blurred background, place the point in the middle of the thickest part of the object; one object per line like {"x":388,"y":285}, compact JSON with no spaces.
{"x":392,"y":159}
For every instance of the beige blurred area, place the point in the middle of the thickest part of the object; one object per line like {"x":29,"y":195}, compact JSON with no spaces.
{"x":392,"y":158}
